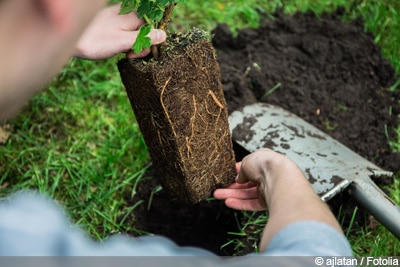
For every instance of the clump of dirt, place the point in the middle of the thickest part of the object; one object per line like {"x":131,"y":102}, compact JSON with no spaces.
{"x":180,"y":107}
{"x":330,"y":73}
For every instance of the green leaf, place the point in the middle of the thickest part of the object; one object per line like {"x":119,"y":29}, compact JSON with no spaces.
{"x":127,"y":6}
{"x":150,"y":9}
{"x":144,"y":8}
{"x":142,"y":40}
{"x":156,"y":14}
{"x":165,"y":2}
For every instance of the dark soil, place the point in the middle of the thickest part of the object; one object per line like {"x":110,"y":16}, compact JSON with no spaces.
{"x":331,"y":74}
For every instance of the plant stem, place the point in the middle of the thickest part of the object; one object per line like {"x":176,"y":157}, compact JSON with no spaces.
{"x":154,"y":51}
{"x":163,"y":25}
{"x":166,"y":19}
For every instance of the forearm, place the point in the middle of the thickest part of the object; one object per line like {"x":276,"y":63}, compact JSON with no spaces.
{"x":291,"y":199}
{"x":269,"y":180}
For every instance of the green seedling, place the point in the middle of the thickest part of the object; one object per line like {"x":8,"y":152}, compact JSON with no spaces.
{"x":270,"y":91}
{"x":156,"y":13}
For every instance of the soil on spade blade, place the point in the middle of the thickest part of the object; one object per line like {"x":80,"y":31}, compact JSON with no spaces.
{"x":330,"y":73}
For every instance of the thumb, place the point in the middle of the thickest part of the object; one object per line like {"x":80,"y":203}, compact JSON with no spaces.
{"x":157,"y":36}
{"x":252,"y":167}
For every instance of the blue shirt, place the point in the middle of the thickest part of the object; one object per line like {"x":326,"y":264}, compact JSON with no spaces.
{"x":31,"y":225}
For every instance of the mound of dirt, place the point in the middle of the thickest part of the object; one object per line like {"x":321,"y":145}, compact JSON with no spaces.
{"x":330,"y":73}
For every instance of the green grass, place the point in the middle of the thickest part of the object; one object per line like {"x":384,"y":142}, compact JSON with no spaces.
{"x":79,"y":143}
{"x":205,"y":14}
{"x":378,"y":241}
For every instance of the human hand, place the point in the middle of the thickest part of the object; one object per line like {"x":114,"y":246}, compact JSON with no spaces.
{"x":241,"y":196}
{"x":110,"y":34}
{"x":269,"y":180}
{"x":256,"y":177}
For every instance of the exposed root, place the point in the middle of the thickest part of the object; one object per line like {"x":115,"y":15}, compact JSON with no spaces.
{"x":163,"y":105}
{"x":209,"y":112}
{"x":216,"y":99}
{"x":192,"y":125}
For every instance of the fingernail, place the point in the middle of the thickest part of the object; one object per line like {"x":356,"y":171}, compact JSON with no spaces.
{"x":160,"y":35}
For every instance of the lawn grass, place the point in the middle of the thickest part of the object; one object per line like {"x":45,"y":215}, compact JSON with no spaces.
{"x":379,"y":241}
{"x":79,"y":143}
{"x":74,"y":142}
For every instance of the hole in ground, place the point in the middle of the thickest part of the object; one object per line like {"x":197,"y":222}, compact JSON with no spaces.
{"x":205,"y":225}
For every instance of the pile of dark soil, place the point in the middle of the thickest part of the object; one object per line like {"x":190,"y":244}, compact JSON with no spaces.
{"x":330,"y":73}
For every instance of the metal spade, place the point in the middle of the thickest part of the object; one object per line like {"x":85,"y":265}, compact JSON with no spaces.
{"x":329,"y":166}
